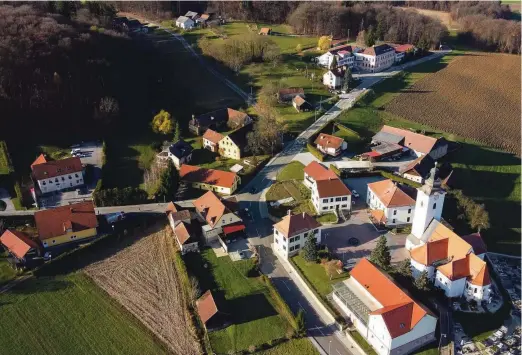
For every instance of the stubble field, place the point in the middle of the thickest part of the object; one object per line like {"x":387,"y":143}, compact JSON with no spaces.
{"x":143,"y":278}
{"x":476,"y":96}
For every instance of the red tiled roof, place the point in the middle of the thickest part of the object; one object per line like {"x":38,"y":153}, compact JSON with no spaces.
{"x":329,"y":141}
{"x":17,"y":243}
{"x":378,"y":216}
{"x":319,"y":172}
{"x":332,"y":188}
{"x":183,"y":232}
{"x":390,"y":194}
{"x":291,"y":225}
{"x":40,"y":160}
{"x":214,"y":177}
{"x":291,"y":91}
{"x":476,"y":242}
{"x":207,"y":307}
{"x":399,"y":312}
{"x":171,"y":207}
{"x":415,"y":141}
{"x":210,"y":207}
{"x":403,"y":47}
{"x":53,"y":222}
{"x":212,"y":136}
{"x":265,"y":30}
{"x":55,"y":168}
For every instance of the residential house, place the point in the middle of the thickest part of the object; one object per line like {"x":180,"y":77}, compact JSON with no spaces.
{"x":57,"y":175}
{"x":209,"y":313}
{"x":180,"y":153}
{"x":329,"y":144}
{"x":192,"y":15}
{"x":184,"y":23}
{"x":211,"y":140}
{"x":334,"y":78}
{"x":419,"y":144}
{"x":265,"y":31}
{"x":391,"y":204}
{"x":20,"y":246}
{"x":291,"y":232}
{"x":329,"y":193}
{"x":448,"y":259}
{"x":217,"y":119}
{"x":301,"y":105}
{"x":223,"y":182}
{"x":219,"y":216}
{"x":186,"y":228}
{"x":401,"y":50}
{"x":343,"y":54}
{"x":66,"y":224}
{"x":418,"y":169}
{"x":384,"y":314}
{"x":376,"y":58}
{"x":233,"y":145}
{"x":288,"y":94}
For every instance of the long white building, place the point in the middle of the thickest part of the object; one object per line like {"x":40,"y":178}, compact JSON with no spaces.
{"x":385,"y":315}
{"x":376,"y":58}
{"x":343,"y":54}
{"x":57,"y":175}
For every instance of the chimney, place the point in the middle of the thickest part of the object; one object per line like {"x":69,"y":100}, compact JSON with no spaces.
{"x":304,"y":214}
{"x":288,"y":212}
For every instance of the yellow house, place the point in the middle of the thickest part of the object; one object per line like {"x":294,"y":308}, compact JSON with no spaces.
{"x":233,"y":146}
{"x":66,"y":224}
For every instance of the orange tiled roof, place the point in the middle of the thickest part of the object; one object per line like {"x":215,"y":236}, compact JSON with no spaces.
{"x":40,"y":160}
{"x":390,"y":194}
{"x":319,"y":172}
{"x":206,"y":307}
{"x":210,"y":207}
{"x":265,"y":30}
{"x":399,"y":312}
{"x":415,"y":141}
{"x":17,"y":243}
{"x":291,"y":225}
{"x":328,"y":141}
{"x":332,"y":188}
{"x":212,"y":136}
{"x":214,"y":177}
{"x":378,"y":216}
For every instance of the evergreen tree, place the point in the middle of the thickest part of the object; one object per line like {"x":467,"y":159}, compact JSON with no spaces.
{"x":309,"y":251}
{"x":422,"y":283}
{"x":301,"y":323}
{"x":404,"y":269}
{"x":348,"y":79}
{"x":333,"y":64}
{"x":380,"y":255}
{"x":177,"y":133}
{"x":370,"y":37}
{"x":169,"y":182}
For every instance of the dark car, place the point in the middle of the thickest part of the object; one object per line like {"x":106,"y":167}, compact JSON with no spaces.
{"x":253,"y":190}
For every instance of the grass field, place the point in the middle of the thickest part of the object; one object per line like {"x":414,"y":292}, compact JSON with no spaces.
{"x":301,"y":346}
{"x":327,"y":218}
{"x":316,"y":275}
{"x":236,"y":288}
{"x":7,"y":273}
{"x":293,"y":171}
{"x":290,"y":188}
{"x":475,"y":165}
{"x":69,"y":315}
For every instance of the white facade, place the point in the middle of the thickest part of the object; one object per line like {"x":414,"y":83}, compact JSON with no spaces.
{"x":412,"y":177}
{"x":288,"y":247}
{"x":213,"y":147}
{"x":453,"y":288}
{"x":326,"y":59}
{"x":186,"y":23}
{"x":332,"y":151}
{"x":399,"y":56}
{"x":427,"y":207}
{"x":330,"y":204}
{"x":395,"y":216}
{"x":179,"y":161}
{"x":477,"y":293}
{"x":373,"y":63}
{"x":331,"y":80}
{"x":61,"y":182}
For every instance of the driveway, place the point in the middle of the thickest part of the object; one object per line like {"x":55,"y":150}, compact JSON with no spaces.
{"x":4,"y":196}
{"x":360,"y":184}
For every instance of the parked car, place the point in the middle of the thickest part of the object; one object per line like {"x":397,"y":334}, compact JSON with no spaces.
{"x":355,"y":194}
{"x":76,"y":151}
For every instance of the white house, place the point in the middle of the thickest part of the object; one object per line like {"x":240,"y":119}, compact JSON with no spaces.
{"x":329,"y":144}
{"x":390,"y":203}
{"x":376,"y":58}
{"x":180,"y":153}
{"x":184,"y":23}
{"x":217,"y":214}
{"x":186,"y":229}
{"x":57,"y":175}
{"x":291,"y":232}
{"x":333,"y":78}
{"x":386,"y":316}
{"x":329,"y":193}
{"x":343,"y":55}
{"x":448,"y":259}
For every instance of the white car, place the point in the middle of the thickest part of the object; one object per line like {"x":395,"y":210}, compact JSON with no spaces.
{"x":355,"y":193}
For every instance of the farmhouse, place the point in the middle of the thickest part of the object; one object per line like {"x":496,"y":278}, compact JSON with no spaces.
{"x":291,"y":232}
{"x":211,"y":140}
{"x":391,"y":204}
{"x":265,"y":31}
{"x":20,"y":246}
{"x":234,"y":144}
{"x":217,"y":119}
{"x":343,"y":54}
{"x":385,"y":315}
{"x":419,"y":144}
{"x":57,"y":175}
{"x":219,"y":216}
{"x":330,"y":145}
{"x":334,"y":78}
{"x":376,"y":58}
{"x":418,"y":169}
{"x":448,"y":259}
{"x":185,"y":227}
{"x":223,"y":182}
{"x":301,"y":105}
{"x":180,"y":153}
{"x":66,"y":224}
{"x":208,"y":312}
{"x":329,"y":193}
{"x":185,"y":23}
{"x":287,"y":94}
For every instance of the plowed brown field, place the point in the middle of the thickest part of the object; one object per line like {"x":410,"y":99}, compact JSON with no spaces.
{"x":143,"y":278}
{"x":476,"y":96}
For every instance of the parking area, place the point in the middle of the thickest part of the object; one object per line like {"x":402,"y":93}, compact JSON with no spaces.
{"x":360,"y":184}
{"x":91,"y":153}
{"x":357,"y":237}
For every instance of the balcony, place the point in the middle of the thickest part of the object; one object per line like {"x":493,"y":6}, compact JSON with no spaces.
{"x":352,"y":302}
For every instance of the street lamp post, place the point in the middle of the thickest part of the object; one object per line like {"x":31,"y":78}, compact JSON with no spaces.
{"x":329,"y":347}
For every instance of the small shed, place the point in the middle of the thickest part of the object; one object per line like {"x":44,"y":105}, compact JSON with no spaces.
{"x":301,"y":105}
{"x":265,"y":31}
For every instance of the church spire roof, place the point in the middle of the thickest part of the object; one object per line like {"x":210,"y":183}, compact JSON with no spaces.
{"x":432,"y":183}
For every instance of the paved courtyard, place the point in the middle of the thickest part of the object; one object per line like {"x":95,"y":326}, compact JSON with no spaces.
{"x":357,"y":237}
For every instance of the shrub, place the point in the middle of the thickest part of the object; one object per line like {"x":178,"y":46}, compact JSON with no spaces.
{"x":335,"y":170}
{"x":315,"y":152}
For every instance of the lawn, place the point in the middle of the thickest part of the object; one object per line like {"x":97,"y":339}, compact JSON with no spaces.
{"x":329,"y":217}
{"x":7,"y":273}
{"x":240,"y":293}
{"x":362,"y":343}
{"x":292,"y":171}
{"x":301,"y":346}
{"x":316,"y":275}
{"x":289,"y":188}
{"x":475,"y":165}
{"x":69,"y":315}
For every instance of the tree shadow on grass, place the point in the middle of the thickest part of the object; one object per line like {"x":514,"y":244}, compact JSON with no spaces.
{"x":46,"y":284}
{"x":250,"y":308}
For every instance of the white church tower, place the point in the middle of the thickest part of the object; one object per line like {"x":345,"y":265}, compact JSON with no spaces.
{"x":428,"y":206}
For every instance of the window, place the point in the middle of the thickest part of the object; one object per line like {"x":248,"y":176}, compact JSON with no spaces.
{"x":43,"y":183}
{"x":408,"y":219}
{"x":75,"y":175}
{"x":63,"y":179}
{"x":325,"y":200}
{"x":475,"y":290}
{"x":56,"y":180}
{"x":325,"y":208}
{"x":297,"y":238}
{"x":344,"y":199}
{"x":337,"y":199}
{"x":394,"y":212}
{"x":284,"y":247}
{"x":297,"y":246}
{"x":54,"y":241}
{"x":401,"y":325}
{"x":70,"y":177}
{"x":409,"y":210}
{"x":331,"y":207}
{"x":276,"y":240}
{"x":291,"y":249}
{"x":434,"y":205}
{"x":393,"y":221}
{"x":344,"y":206}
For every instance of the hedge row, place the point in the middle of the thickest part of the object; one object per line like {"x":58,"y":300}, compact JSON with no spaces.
{"x":399,"y":179}
{"x":282,"y":306}
{"x":335,"y":170}
{"x":315,"y":152}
